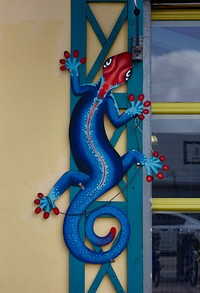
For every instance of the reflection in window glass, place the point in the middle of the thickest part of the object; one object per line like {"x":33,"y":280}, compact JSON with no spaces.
{"x":175,"y":252}
{"x":178,"y":138}
{"x":175,"y":61}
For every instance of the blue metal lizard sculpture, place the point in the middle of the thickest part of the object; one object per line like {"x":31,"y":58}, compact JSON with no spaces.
{"x":100,"y":166}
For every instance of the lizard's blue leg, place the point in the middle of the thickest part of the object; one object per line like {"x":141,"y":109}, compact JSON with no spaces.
{"x":71,"y":178}
{"x":152,"y":165}
{"x":130,"y":158}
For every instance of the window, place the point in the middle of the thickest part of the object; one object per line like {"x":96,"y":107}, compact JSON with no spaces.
{"x":176,"y":100}
{"x":176,"y":134}
{"x":175,"y":61}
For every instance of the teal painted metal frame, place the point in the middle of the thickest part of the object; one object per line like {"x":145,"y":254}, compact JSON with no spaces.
{"x":78,"y":41}
{"x":132,"y":205}
{"x":135,"y":193}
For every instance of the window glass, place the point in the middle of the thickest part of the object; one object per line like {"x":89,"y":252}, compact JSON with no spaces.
{"x":175,"y":78}
{"x":176,"y":61}
{"x":178,"y":138}
{"x":175,"y":252}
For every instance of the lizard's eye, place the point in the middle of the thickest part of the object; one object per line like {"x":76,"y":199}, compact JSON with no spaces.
{"x":108,"y":62}
{"x":128,"y":74}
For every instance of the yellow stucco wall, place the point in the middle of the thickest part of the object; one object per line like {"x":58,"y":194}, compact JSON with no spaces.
{"x":34,"y":150}
{"x":33,"y":126}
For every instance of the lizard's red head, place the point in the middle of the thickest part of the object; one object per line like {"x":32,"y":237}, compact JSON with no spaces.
{"x":117,"y":69}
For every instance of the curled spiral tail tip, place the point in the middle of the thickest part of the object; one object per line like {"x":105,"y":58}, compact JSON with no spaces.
{"x":113,"y":230}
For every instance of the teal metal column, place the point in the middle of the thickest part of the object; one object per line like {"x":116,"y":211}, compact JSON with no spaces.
{"x":135,"y":193}
{"x":132,"y":206}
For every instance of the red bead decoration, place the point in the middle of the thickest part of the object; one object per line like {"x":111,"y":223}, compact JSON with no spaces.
{"x":156,"y":154}
{"x":141,"y":98}
{"x":141,"y":116}
{"x":76,"y":53}
{"x":40,"y":195}
{"x":162,"y":158}
{"x":37,"y":210}
{"x":147,"y":104}
{"x":56,"y":211}
{"x":160,"y":175}
{"x":83,"y":60}
{"x":165,"y":167}
{"x":149,"y":178}
{"x":46,"y":215}
{"x":37,"y":201}
{"x":145,"y":111}
{"x":66,"y":54}
{"x":62,"y":61}
{"x":131,"y":98}
{"x":63,"y":68}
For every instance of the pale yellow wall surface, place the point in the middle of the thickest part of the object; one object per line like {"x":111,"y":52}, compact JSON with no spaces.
{"x":33,"y":142}
{"x":34,"y":150}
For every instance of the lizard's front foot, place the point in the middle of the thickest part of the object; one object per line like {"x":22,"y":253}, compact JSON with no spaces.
{"x":45,"y":204}
{"x":138,"y":107}
{"x":71,"y":62}
{"x":153,"y":165}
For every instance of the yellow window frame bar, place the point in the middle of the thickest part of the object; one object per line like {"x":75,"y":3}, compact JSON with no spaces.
{"x":176,"y":204}
{"x":176,"y":108}
{"x":175,"y":14}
